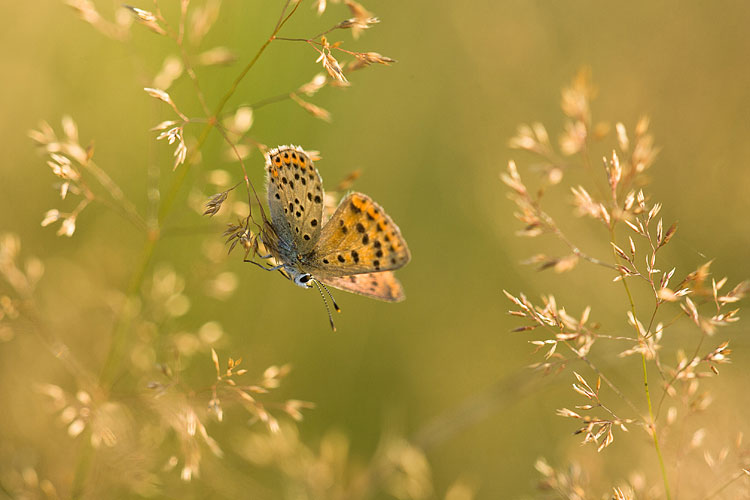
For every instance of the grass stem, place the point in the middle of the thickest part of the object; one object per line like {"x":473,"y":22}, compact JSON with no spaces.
{"x":121,"y":329}
{"x":651,"y":422}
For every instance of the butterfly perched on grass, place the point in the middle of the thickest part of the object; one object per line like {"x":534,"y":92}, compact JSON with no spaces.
{"x":356,"y":250}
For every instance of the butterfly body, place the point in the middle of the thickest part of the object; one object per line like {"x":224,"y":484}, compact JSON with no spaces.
{"x":355,"y":250}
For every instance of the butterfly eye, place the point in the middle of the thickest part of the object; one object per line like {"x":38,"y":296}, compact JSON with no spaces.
{"x":304,"y":280}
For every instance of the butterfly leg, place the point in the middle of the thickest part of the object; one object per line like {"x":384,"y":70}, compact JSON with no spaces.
{"x":275,"y":268}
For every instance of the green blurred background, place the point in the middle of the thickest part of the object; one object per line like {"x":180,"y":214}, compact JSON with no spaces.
{"x":430,"y":135}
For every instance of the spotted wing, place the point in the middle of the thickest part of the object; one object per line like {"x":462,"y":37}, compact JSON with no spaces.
{"x":381,"y":286}
{"x":359,"y":238}
{"x":295,"y":197}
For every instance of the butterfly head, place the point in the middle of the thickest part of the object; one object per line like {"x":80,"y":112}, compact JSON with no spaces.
{"x":302,"y":279}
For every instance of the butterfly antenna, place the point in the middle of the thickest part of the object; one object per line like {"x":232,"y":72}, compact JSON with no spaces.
{"x":328,"y":310}
{"x":335,"y":305}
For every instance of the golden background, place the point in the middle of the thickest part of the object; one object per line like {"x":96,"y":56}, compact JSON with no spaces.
{"x":430,"y":135}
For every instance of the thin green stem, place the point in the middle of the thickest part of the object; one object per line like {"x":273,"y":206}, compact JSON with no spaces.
{"x":270,"y":100}
{"x":85,"y":456}
{"x":112,"y":363}
{"x":110,"y":366}
{"x":653,"y":429}
{"x":606,"y":380}
{"x":5,"y":490}
{"x":116,"y":193}
{"x":726,"y":485}
{"x":180,"y":179}
{"x":652,"y":423}
{"x":677,"y":374}
{"x":552,"y":225}
{"x":648,"y":335}
{"x":122,"y":324}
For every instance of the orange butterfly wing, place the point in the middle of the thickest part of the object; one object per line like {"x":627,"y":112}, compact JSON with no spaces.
{"x":359,"y":238}
{"x":380,"y":286}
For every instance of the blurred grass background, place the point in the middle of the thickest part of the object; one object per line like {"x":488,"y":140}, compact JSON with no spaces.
{"x":430,"y":135}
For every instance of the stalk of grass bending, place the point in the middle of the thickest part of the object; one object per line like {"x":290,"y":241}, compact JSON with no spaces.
{"x":153,"y":235}
{"x":653,"y":429}
{"x":652,"y":424}
{"x":122,"y":324}
{"x":725,"y":485}
{"x":177,"y":184}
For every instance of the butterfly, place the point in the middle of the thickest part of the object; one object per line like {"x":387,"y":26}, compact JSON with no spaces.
{"x":356,"y":250}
